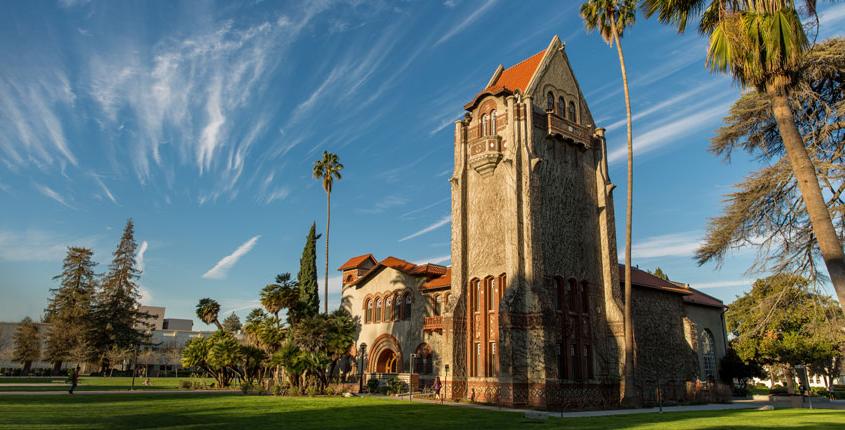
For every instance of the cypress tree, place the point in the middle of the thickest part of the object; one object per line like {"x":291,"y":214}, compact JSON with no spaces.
{"x":309,"y":296}
{"x":70,"y":309}
{"x":118,"y":319}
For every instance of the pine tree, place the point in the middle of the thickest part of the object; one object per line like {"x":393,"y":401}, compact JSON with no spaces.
{"x":309,"y":295}
{"x":119,"y":323}
{"x":27,"y":344}
{"x":70,"y":309}
{"x":232,"y":323}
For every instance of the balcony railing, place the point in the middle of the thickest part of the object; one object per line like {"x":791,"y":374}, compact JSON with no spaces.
{"x":485,"y":153}
{"x":569,"y":130}
{"x":433,"y":323}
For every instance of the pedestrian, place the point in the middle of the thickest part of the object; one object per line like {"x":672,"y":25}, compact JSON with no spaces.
{"x":437,"y":387}
{"x":74,"y":380}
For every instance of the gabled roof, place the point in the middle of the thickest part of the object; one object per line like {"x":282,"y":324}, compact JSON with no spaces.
{"x":516,"y":77}
{"x":641,"y":278}
{"x":442,"y":281}
{"x":699,"y":298}
{"x":398,"y":264}
{"x":356,"y":262}
{"x":429,"y":269}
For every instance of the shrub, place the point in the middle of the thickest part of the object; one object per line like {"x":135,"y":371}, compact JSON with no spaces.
{"x":246,"y":388}
{"x":278,"y":390}
{"x":372,"y":385}
{"x":778,"y":390}
{"x":395,"y":386}
{"x":185,"y":385}
{"x":383,"y":389}
{"x":198,"y":385}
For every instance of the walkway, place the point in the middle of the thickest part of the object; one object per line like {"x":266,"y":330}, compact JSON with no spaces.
{"x":92,"y":392}
{"x":737,"y":404}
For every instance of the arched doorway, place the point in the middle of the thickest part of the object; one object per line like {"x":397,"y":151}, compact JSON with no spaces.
{"x":387,"y":362}
{"x":385,"y":355}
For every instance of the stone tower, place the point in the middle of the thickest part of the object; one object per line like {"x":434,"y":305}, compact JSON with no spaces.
{"x":537,"y":308}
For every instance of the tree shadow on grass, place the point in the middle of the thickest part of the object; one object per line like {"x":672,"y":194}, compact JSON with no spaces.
{"x":252,"y":412}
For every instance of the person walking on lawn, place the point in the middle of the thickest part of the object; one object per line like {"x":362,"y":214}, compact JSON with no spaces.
{"x":74,"y":380}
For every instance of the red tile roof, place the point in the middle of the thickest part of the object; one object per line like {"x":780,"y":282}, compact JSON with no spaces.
{"x":442,"y":281}
{"x":641,"y":278}
{"x":355,"y":262}
{"x":516,"y":77}
{"x":429,"y":269}
{"x":398,"y":264}
{"x":513,"y":78}
{"x":699,"y":298}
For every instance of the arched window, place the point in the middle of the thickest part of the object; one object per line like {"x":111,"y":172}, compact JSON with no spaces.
{"x":560,"y":297}
{"x":438,"y":305}
{"x":572,"y":111}
{"x":561,"y":107}
{"x":708,"y":355}
{"x":406,"y":312}
{"x":388,"y":308}
{"x":397,"y":308}
{"x":492,"y":131}
{"x":485,"y":124}
{"x":572,"y":293}
{"x":550,"y":102}
{"x":369,"y":317}
{"x":490,"y":293}
{"x":378,"y":310}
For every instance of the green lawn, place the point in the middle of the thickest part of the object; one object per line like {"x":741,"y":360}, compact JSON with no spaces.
{"x":95,"y":383}
{"x":254,"y":412}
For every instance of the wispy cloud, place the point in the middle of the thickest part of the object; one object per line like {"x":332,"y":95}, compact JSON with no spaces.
{"x":440,"y":223}
{"x":671,"y":132}
{"x":139,"y":256}
{"x":222,"y":267}
{"x":666,"y":104}
{"x":106,"y":191}
{"x":466,"y":22}
{"x":277,"y":194}
{"x":435,"y":260}
{"x":668,"y":245}
{"x":38,"y":245}
{"x":52,"y":194}
{"x":388,"y":202}
{"x":426,"y":207}
{"x":723,"y":284}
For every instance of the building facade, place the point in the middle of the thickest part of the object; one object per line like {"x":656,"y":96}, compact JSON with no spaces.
{"x":530,"y":311}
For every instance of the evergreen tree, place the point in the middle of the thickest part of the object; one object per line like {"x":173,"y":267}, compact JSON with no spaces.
{"x":309,"y":295}
{"x":232,"y":323}
{"x":70,"y":308}
{"x":27,"y":344}
{"x":118,"y":321}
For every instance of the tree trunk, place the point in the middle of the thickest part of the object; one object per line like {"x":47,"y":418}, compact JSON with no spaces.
{"x":805,"y":174}
{"x":326,"y":280}
{"x":219,"y":326}
{"x":628,"y":390}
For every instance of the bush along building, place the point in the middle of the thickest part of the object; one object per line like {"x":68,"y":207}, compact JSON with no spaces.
{"x":530,"y":311}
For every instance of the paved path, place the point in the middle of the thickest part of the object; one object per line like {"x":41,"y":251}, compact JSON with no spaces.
{"x":737,"y":404}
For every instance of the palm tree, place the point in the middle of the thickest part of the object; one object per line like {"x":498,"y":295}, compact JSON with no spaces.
{"x":327,"y":169}
{"x":611,"y":18}
{"x":283,"y":294}
{"x":761,"y":44}
{"x":207,"y":311}
{"x":271,"y":298}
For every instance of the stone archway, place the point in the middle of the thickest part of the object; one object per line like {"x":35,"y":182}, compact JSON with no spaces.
{"x":387,"y":362}
{"x":385,"y":355}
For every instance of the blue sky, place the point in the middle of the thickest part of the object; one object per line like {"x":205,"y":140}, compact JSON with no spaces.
{"x":201,"y":121}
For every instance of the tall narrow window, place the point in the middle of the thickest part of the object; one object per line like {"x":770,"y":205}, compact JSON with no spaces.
{"x":503,"y":283}
{"x":378,"y":310}
{"x":438,"y":305}
{"x":477,"y":360}
{"x":560,"y":297}
{"x":561,"y":107}
{"x":397,"y":308}
{"x":708,"y":355}
{"x":572,"y":292}
{"x":491,"y":360}
{"x":492,"y":131}
{"x":406,"y":312}
{"x":388,"y":308}
{"x":572,"y":111}
{"x":475,"y":293}
{"x":369,"y":310}
{"x":550,"y":102}
{"x":585,"y":297}
{"x":490,"y":295}
{"x":485,"y":124}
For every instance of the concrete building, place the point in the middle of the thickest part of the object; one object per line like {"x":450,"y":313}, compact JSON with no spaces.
{"x":530,"y":311}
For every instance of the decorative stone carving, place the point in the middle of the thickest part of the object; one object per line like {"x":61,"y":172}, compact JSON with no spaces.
{"x":485,"y":153}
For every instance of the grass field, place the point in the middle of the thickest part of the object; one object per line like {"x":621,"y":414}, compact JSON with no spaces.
{"x":237,"y":411}
{"x":94,"y":383}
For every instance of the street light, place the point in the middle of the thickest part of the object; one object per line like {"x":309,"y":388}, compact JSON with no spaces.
{"x":362,"y":350}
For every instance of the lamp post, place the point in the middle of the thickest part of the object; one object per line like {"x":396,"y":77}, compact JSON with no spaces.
{"x":362,"y":350}
{"x":445,"y":381}
{"x":411,"y":380}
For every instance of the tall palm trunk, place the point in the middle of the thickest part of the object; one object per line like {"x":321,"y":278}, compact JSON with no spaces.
{"x":808,"y":183}
{"x":628,"y":391}
{"x":326,"y":280}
